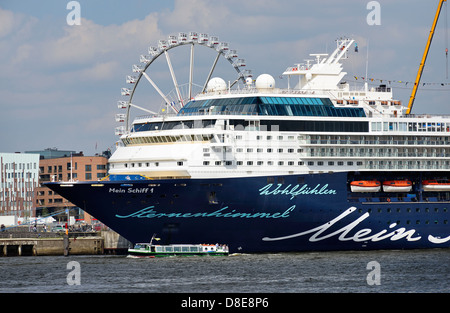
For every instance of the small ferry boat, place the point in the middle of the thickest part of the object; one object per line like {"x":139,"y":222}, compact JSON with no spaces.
{"x":150,"y":250}
{"x":436,"y":185}
{"x":365,"y":186}
{"x":397,"y":186}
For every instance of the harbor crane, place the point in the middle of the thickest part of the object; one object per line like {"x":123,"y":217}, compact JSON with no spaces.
{"x":424,"y":57}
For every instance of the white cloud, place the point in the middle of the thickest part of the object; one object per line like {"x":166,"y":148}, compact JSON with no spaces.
{"x":7,"y":22}
{"x":90,"y":42}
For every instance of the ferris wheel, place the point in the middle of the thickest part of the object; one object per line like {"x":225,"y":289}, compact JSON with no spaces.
{"x":172,"y":101}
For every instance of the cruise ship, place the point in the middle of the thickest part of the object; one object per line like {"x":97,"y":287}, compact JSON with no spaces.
{"x":317,"y":166}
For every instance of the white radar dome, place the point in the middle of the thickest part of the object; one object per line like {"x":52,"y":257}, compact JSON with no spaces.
{"x":216,"y":84}
{"x":264,"y":82}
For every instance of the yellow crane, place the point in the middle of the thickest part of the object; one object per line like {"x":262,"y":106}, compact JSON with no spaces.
{"x":424,"y":57}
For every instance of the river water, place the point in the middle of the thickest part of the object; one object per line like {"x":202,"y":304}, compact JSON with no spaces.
{"x":331,"y":272}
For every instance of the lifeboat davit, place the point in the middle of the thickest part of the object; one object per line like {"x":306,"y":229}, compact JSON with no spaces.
{"x":435,"y":185}
{"x":365,"y":186}
{"x":397,"y":186}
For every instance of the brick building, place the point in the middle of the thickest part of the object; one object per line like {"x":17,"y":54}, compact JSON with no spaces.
{"x":70,"y":167}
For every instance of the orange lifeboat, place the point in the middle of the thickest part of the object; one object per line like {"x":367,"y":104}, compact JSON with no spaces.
{"x":397,"y":186}
{"x":365,"y":186}
{"x":435,"y":185}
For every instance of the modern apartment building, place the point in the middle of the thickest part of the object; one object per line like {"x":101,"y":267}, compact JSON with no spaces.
{"x":19,"y":174}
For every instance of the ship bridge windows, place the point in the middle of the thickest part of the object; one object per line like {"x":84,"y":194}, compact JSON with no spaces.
{"x":305,"y":106}
{"x":154,"y":126}
{"x":278,"y":106}
{"x":130,"y":141}
{"x":318,"y":126}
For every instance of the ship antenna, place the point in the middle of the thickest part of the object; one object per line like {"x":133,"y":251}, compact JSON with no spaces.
{"x":151,"y":240}
{"x":446,"y":41}
{"x":367,"y":66}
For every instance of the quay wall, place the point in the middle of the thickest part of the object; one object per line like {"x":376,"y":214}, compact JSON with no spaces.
{"x":47,"y":243}
{"x":114,"y":243}
{"x":50,"y":246}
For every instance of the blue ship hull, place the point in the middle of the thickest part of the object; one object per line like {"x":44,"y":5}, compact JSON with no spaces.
{"x":268,"y":214}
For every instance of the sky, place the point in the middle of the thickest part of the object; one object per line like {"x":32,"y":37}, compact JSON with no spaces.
{"x":60,"y":83}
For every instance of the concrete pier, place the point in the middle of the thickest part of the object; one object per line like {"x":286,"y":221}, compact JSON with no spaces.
{"x":114,"y":243}
{"x":50,"y":246}
{"x":47,"y":243}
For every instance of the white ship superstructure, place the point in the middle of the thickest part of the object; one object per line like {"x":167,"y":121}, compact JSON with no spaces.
{"x":320,"y":125}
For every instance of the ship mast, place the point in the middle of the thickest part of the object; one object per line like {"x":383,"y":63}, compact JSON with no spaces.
{"x":424,"y":58}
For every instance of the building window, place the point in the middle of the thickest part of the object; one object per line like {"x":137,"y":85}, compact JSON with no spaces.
{"x":88,"y":176}
{"x":88,"y":167}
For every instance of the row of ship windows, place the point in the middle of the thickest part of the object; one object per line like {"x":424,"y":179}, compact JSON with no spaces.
{"x":410,"y":210}
{"x":249,"y":163}
{"x":344,"y":152}
{"x":280,"y":163}
{"x":331,"y":140}
{"x":166,"y":139}
{"x":366,"y":164}
{"x":377,"y":140}
{"x":410,"y":126}
{"x":250,"y":150}
{"x":381,"y":152}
